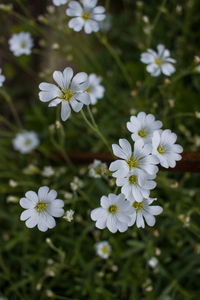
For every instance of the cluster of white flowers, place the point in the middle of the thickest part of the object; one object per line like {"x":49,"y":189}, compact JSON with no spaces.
{"x":26,"y":141}
{"x":2,"y":78}
{"x":135,"y":171}
{"x":21,"y":43}
{"x":158,"y":62}
{"x":72,"y":92}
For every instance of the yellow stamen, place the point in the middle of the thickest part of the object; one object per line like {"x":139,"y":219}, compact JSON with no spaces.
{"x":105,"y":250}
{"x":132,"y":162}
{"x":137,"y":205}
{"x":142,"y":133}
{"x":133,"y":179}
{"x":158,"y":61}
{"x":113,"y":209}
{"x":86,"y":15}
{"x":41,"y":206}
{"x":88,"y":90}
{"x":67,"y":95}
{"x":161,"y":149}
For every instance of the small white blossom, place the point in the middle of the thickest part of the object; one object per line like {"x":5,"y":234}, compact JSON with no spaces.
{"x":87,"y":16}
{"x":95,"y":90}
{"x":165,"y":149}
{"x":158,"y":62}
{"x":2,"y":78}
{"x":48,"y":171}
{"x":115,"y":213}
{"x":139,"y":159}
{"x":143,"y":127}
{"x":59,"y":2}
{"x":13,"y":183}
{"x":25,"y":142}
{"x":97,"y":169}
{"x":144,"y":210}
{"x":69,"y":215}
{"x":41,"y":208}
{"x":153,"y":261}
{"x":76,"y":184}
{"x":103,"y":249}
{"x":136,"y":185}
{"x":69,"y":91}
{"x":21,"y":43}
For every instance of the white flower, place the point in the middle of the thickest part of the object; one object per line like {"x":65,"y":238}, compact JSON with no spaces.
{"x":2,"y":78}
{"x":69,"y":215}
{"x":143,"y":127}
{"x":160,"y":62}
{"x":97,"y":169}
{"x":59,"y":2}
{"x":165,"y":149}
{"x":115,"y":213}
{"x":197,"y":69}
{"x":95,"y":90}
{"x":41,"y":208}
{"x":136,"y":185}
{"x":76,"y":184}
{"x":103,"y":249}
{"x":48,"y":171}
{"x":88,"y":15}
{"x":145,"y":210}
{"x":140,"y":159}
{"x":25,"y":142}
{"x":21,"y":43}
{"x":153,"y":261}
{"x":69,"y":92}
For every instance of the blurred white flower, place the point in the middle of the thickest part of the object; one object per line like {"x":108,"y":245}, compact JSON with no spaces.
{"x":165,"y":149}
{"x":197,"y":69}
{"x":76,"y":184}
{"x":59,"y":2}
{"x":69,"y":215}
{"x":103,"y":249}
{"x":136,"y":185}
{"x":48,"y":171}
{"x":21,"y":43}
{"x":31,"y":170}
{"x":25,"y":142}
{"x":143,"y":127}
{"x":115,"y":213}
{"x":153,"y":261}
{"x":139,"y":159}
{"x":70,"y":91}
{"x":13,"y":183}
{"x":41,"y":208}
{"x":87,"y":15}
{"x":158,"y":62}
{"x":105,"y":25}
{"x":95,"y":90}
{"x":2,"y":78}
{"x":97,"y":169}
{"x":144,"y":210}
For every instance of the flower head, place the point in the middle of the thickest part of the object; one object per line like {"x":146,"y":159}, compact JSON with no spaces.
{"x":103,"y":249}
{"x":165,"y":149}
{"x":59,"y":2}
{"x":143,"y":127}
{"x":69,"y":91}
{"x":25,"y":142}
{"x":95,"y":89}
{"x":115,"y":213}
{"x":2,"y":78}
{"x":97,"y":169}
{"x":140,"y":159}
{"x":48,"y":171}
{"x":144,"y":210}
{"x":21,"y":43}
{"x":40,"y":208}
{"x":153,"y":261}
{"x":69,"y":215}
{"x":158,"y":62}
{"x":86,"y":16}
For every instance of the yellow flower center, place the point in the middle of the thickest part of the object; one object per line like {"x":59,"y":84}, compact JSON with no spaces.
{"x":137,"y":205}
{"x":142,"y":133}
{"x":161,"y":149}
{"x":67,"y":95}
{"x":113,"y":209}
{"x":158,"y":62}
{"x":88,"y":90}
{"x":133,"y":179}
{"x":41,"y":206}
{"x":132,"y":162}
{"x":23,"y":45}
{"x":105,"y":250}
{"x":86,"y":15}
{"x":27,"y":142}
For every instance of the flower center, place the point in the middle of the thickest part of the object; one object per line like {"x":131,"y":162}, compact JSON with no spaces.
{"x":137,"y":205}
{"x":142,"y":133}
{"x":158,"y":61}
{"x":105,"y":250}
{"x":27,"y":142}
{"x":133,"y":179}
{"x":113,"y":209}
{"x":88,"y":90}
{"x":161,"y":149}
{"x":67,"y":95}
{"x":23,"y":45}
{"x":98,"y":170}
{"x":132,"y":162}
{"x":41,"y":206}
{"x":86,"y":15}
